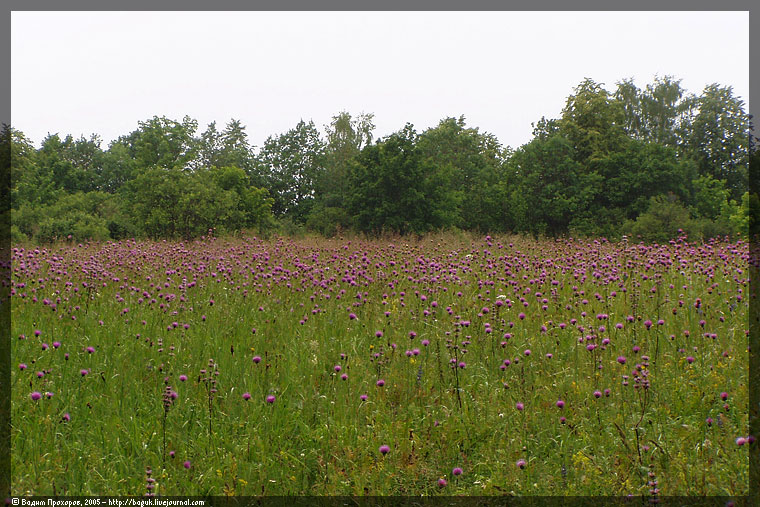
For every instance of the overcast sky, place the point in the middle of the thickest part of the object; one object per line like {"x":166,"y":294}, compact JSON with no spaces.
{"x":101,"y":72}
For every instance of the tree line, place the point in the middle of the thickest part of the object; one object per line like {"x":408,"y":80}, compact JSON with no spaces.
{"x":644,"y":162}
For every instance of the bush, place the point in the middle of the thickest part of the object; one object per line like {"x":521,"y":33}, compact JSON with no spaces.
{"x":328,"y":221}
{"x":662,"y":221}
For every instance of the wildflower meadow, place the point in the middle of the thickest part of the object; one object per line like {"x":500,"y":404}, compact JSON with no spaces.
{"x":444,"y":365}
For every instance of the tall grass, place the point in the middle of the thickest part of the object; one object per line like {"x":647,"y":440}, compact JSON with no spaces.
{"x":153,"y":311}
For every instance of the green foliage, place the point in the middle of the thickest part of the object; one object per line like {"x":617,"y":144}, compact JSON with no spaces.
{"x":395,"y":190}
{"x":550,"y":188}
{"x":592,"y":121}
{"x":470,"y":164}
{"x":80,"y":215}
{"x":742,"y":220}
{"x":290,"y":166}
{"x":586,"y":173}
{"x":710,"y":196}
{"x":718,"y":138}
{"x":662,"y":221}
{"x":328,"y":221}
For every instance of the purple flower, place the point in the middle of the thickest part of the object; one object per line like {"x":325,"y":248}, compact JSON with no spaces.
{"x":256,"y":359}
{"x":83,"y":372}
{"x":456,"y":471}
{"x":597,"y":394}
{"x":186,"y":464}
{"x":22,"y":366}
{"x":520,"y":463}
{"x":344,"y":377}
{"x":741,"y":441}
{"x":425,"y":342}
{"x":520,"y":406}
{"x":380,"y":383}
{"x":182,"y":378}
{"x":379,"y":334}
{"x":384,"y":449}
{"x":35,"y":396}
{"x":352,"y":316}
{"x":724,"y":396}
{"x":337,"y":368}
{"x":270,"y":399}
{"x":66,"y":417}
{"x":442,"y":483}
{"x":462,"y":364}
{"x":45,"y":346}
{"x":527,"y":352}
{"x":56,"y":344}
{"x":621,"y":359}
{"x":363,"y":397}
{"x":690,"y":359}
{"x":246,"y":396}
{"x":560,"y":404}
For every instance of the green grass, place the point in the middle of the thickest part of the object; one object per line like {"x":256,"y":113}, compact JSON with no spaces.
{"x":318,"y":437}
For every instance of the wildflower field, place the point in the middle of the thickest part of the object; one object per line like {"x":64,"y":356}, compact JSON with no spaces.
{"x":444,"y":365}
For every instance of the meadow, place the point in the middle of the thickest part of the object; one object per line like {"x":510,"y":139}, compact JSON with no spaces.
{"x":446,"y":365}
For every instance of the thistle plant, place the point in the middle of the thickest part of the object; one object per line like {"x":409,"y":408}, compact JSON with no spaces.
{"x":208,"y":378}
{"x":168,"y":400}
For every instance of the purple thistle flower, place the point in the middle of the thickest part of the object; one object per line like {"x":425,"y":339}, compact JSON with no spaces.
{"x":186,"y":464}
{"x":520,"y":406}
{"x":35,"y":395}
{"x":520,"y":463}
{"x":45,"y":346}
{"x":456,"y":471}
{"x":384,"y":449}
{"x":690,"y":359}
{"x":425,"y":342}
{"x":256,"y":359}
{"x":363,"y":397}
{"x":621,"y":359}
{"x":597,"y":394}
{"x":182,"y":378}
{"x":560,"y":404}
{"x":379,"y":334}
{"x":22,"y":366}
{"x":66,"y":417}
{"x":337,"y":368}
{"x":56,"y":344}
{"x":442,"y":483}
{"x":344,"y":377}
{"x":83,"y":372}
{"x":246,"y":396}
{"x":270,"y":398}
{"x":380,"y":383}
{"x":741,"y":441}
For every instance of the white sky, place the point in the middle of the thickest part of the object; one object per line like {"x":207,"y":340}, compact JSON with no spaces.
{"x":101,"y":72}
